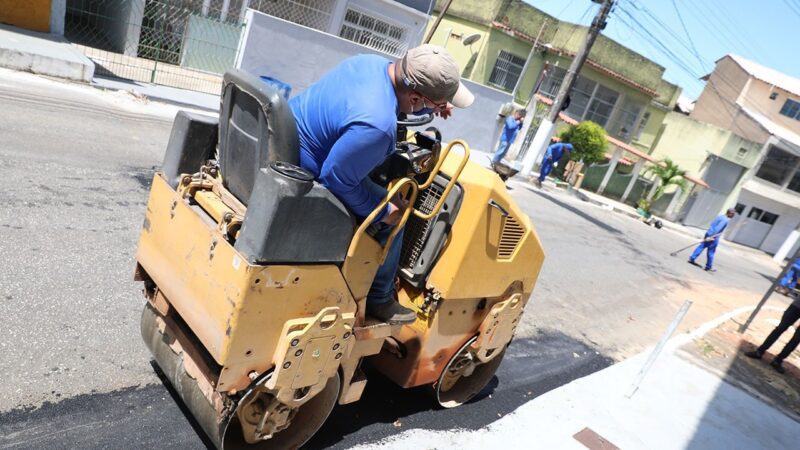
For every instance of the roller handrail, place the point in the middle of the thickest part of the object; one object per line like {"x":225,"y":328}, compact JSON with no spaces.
{"x":450,"y":184}
{"x":399,"y":226}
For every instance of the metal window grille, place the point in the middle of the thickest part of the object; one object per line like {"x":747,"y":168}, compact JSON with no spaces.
{"x":507,"y":70}
{"x":642,"y":125}
{"x":373,"y":32}
{"x":626,"y":122}
{"x":552,"y":82}
{"x":310,"y":13}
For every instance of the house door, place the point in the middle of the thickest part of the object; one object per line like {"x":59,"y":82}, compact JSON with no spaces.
{"x":722,"y":177}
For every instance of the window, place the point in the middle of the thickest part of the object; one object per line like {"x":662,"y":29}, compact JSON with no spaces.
{"x":602,"y":105}
{"x":506,"y":71}
{"x":642,"y":125}
{"x":791,"y":109}
{"x":551,"y":82}
{"x":741,"y":153}
{"x":773,"y":95}
{"x":768,"y":218}
{"x":373,"y":32}
{"x":580,"y":96}
{"x":739,"y":208}
{"x":588,"y":100}
{"x":777,"y":166}
{"x":794,"y":183}
{"x":755,"y":213}
{"x":627,"y":120}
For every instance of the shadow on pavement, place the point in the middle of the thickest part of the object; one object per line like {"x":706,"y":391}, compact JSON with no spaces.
{"x":772,"y":422}
{"x":575,"y":211}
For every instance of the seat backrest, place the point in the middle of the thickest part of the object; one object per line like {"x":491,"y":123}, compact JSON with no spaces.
{"x":256,"y":127}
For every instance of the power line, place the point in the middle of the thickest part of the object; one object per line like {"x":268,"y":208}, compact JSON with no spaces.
{"x":688,"y":36}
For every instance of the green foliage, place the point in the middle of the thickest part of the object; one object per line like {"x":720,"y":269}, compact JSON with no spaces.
{"x":668,"y":174}
{"x":588,"y":140}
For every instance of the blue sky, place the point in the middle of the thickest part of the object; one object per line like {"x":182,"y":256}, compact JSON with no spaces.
{"x":764,"y":31}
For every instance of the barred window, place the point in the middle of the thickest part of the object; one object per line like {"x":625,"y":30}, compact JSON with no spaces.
{"x":373,"y":32}
{"x":626,"y":122}
{"x":507,"y":70}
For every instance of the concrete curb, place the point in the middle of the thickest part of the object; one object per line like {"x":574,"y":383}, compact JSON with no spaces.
{"x":43,"y":54}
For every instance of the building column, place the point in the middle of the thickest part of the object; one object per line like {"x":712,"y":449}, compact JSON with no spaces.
{"x":786,"y":247}
{"x":58,"y":12}
{"x":652,"y":192}
{"x":669,"y":213}
{"x":337,"y":17}
{"x":637,"y":170}
{"x":611,"y":167}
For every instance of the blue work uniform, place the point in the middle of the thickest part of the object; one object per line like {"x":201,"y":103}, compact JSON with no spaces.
{"x":789,"y":280}
{"x":717,"y":227}
{"x":347,"y":126}
{"x":510,"y":131}
{"x":551,"y":156}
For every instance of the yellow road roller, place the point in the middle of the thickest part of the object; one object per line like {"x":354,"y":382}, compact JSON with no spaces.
{"x":256,"y":276}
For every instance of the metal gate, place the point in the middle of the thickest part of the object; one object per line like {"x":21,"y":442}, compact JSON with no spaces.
{"x":722,"y":177}
{"x":179,"y":43}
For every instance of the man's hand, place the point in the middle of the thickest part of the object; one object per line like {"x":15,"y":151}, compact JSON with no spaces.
{"x":445,"y":113}
{"x":397,"y":206}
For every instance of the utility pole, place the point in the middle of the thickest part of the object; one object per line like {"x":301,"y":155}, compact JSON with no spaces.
{"x":528,"y":61}
{"x":437,"y":21}
{"x":546,"y":128}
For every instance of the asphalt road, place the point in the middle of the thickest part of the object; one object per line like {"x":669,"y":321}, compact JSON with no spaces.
{"x":76,"y":168}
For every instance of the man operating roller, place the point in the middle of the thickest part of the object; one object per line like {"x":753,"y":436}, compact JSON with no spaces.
{"x":347,"y":126}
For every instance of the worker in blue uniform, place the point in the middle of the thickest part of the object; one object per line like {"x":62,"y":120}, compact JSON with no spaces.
{"x":347,"y":126}
{"x":789,"y":281}
{"x":511,"y":128}
{"x":552,"y":155}
{"x":711,"y":239}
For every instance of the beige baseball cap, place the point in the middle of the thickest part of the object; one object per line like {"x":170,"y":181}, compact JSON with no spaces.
{"x":430,"y":70}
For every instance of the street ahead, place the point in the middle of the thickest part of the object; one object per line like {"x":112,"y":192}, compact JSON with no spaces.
{"x":77,"y":165}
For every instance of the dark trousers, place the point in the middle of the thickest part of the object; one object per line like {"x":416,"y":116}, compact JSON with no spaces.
{"x":790,"y":316}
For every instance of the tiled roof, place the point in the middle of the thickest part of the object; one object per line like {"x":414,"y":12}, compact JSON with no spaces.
{"x":766,"y":74}
{"x":602,"y":69}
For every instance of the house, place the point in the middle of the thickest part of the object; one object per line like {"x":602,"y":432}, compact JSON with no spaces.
{"x":513,"y":47}
{"x":189,"y":44}
{"x":760,"y":105}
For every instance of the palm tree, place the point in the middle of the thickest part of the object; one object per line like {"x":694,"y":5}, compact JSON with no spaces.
{"x":667,"y":174}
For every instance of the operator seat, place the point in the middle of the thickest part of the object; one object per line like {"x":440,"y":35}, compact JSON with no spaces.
{"x":290,"y":218}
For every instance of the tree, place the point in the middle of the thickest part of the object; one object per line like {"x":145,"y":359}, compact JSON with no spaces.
{"x":588,"y":140}
{"x":667,"y":173}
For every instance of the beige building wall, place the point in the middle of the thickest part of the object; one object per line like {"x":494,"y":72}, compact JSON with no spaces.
{"x":717,"y":102}
{"x":757,"y":98}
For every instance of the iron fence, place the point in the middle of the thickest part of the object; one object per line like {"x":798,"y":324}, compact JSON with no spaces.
{"x":179,"y":43}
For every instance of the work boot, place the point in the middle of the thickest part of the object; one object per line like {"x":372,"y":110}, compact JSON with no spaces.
{"x":538,"y":183}
{"x":691,"y":261}
{"x":710,"y":270}
{"x":777,"y":364}
{"x":755,"y":354}
{"x":782,"y":290}
{"x":392,"y":313}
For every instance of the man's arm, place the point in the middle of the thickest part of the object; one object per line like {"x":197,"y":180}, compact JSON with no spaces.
{"x":354,"y":155}
{"x":716,"y":226}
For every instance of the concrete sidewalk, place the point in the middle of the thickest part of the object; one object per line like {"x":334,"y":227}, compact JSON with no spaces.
{"x":44,"y":54}
{"x":678,"y":405}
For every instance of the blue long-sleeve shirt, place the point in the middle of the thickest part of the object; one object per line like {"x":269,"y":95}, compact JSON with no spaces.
{"x":510,"y":130}
{"x":556,"y":151}
{"x":717,"y":227}
{"x":347,"y":125}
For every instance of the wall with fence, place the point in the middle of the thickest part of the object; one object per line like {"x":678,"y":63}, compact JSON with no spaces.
{"x":299,"y":56}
